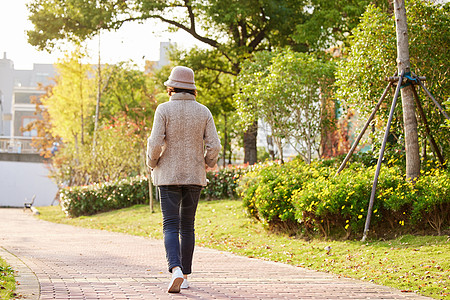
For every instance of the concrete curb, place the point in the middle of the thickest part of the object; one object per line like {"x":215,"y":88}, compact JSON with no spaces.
{"x":28,"y":285}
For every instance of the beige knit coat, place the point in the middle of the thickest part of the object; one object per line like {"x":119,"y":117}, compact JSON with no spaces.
{"x":182,"y":141}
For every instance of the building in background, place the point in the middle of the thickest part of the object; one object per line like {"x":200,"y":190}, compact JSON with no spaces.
{"x":22,"y":171}
{"x":17,"y":87}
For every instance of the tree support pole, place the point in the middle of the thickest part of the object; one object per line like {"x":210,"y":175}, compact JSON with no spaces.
{"x":372,"y":115}
{"x":427,"y":128}
{"x":432,"y":98}
{"x":380,"y":158}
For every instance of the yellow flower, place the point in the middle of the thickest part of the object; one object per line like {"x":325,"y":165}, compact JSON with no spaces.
{"x":346,"y":226}
{"x":360,"y":217}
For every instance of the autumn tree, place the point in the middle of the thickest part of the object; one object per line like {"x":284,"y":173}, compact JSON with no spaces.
{"x":71,"y":102}
{"x":125,"y":116}
{"x":45,"y":138}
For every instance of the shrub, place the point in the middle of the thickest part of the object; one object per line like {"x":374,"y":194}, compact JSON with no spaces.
{"x":334,"y":202}
{"x":223,"y":183}
{"x":315,"y":200}
{"x":432,"y":204}
{"x":101,"y":197}
{"x":267,"y":189}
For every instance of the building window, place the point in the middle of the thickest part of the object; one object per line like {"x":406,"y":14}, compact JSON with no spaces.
{"x":25,"y":122}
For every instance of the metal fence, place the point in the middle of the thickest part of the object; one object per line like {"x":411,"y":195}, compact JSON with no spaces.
{"x":16,"y":144}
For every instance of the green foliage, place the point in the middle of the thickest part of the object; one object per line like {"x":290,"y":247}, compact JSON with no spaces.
{"x":372,"y":57}
{"x":327,"y":22}
{"x":119,"y":153}
{"x":114,"y":194}
{"x":267,"y":189}
{"x":316,"y":201}
{"x":287,"y":90}
{"x":128,"y":93}
{"x":234,"y":28}
{"x":248,"y":81}
{"x":7,"y":281}
{"x":88,"y":200}
{"x":223,"y":183}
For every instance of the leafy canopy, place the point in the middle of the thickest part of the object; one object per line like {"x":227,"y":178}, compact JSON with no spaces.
{"x":286,"y":90}
{"x":372,"y":56}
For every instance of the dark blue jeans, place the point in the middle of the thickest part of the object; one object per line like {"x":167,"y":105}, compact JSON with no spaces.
{"x":178,"y":206}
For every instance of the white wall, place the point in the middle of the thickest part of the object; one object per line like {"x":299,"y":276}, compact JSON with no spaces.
{"x":20,"y":180}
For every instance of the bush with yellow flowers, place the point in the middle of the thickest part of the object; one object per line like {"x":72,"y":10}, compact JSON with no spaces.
{"x":316,"y":201}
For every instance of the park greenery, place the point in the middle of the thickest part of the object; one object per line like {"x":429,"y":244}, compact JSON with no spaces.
{"x":290,"y":91}
{"x":303,"y":199}
{"x":310,"y":71}
{"x":232,"y":31}
{"x":309,"y":199}
{"x":7,"y":281}
{"x":310,"y":87}
{"x":371,"y":56}
{"x":411,"y":263}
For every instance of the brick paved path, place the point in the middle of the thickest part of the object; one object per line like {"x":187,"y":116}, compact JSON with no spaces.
{"x":57,"y":261}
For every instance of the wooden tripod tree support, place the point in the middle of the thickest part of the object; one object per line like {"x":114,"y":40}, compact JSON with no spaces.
{"x":372,"y":115}
{"x":400,"y":81}
{"x":380,"y":158}
{"x":427,"y":129}
{"x":409,"y":117}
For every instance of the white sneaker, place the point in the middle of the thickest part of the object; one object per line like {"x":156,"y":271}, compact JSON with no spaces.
{"x":185,"y":284}
{"x":177,"y":280}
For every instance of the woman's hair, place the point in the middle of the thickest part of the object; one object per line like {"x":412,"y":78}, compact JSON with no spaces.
{"x":172,"y":90}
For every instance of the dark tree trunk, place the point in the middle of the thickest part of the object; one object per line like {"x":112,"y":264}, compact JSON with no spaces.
{"x":250,"y":152}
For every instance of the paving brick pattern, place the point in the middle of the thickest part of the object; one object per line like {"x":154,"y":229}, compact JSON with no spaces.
{"x":57,"y":261}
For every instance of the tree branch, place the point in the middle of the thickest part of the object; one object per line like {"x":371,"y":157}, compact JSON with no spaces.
{"x":244,"y":33}
{"x":192,"y":32}
{"x":258,"y":38}
{"x":191,"y":14}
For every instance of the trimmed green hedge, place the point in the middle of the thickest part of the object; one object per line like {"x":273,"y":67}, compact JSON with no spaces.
{"x":101,"y":197}
{"x":310,"y":198}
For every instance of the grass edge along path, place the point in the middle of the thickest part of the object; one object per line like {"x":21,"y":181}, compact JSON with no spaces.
{"x":7,"y":281}
{"x":419,"y":264}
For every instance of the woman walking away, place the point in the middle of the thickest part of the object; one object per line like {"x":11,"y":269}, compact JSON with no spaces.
{"x":183,"y":142}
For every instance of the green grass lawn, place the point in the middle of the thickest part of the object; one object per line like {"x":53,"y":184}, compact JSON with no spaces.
{"x":418,"y":264}
{"x":7,"y":281}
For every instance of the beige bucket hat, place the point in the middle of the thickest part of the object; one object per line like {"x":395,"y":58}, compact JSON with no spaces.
{"x":181,"y":77}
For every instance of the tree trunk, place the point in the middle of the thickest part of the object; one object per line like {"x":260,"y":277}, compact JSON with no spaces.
{"x":409,"y":116}
{"x":250,"y":154}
